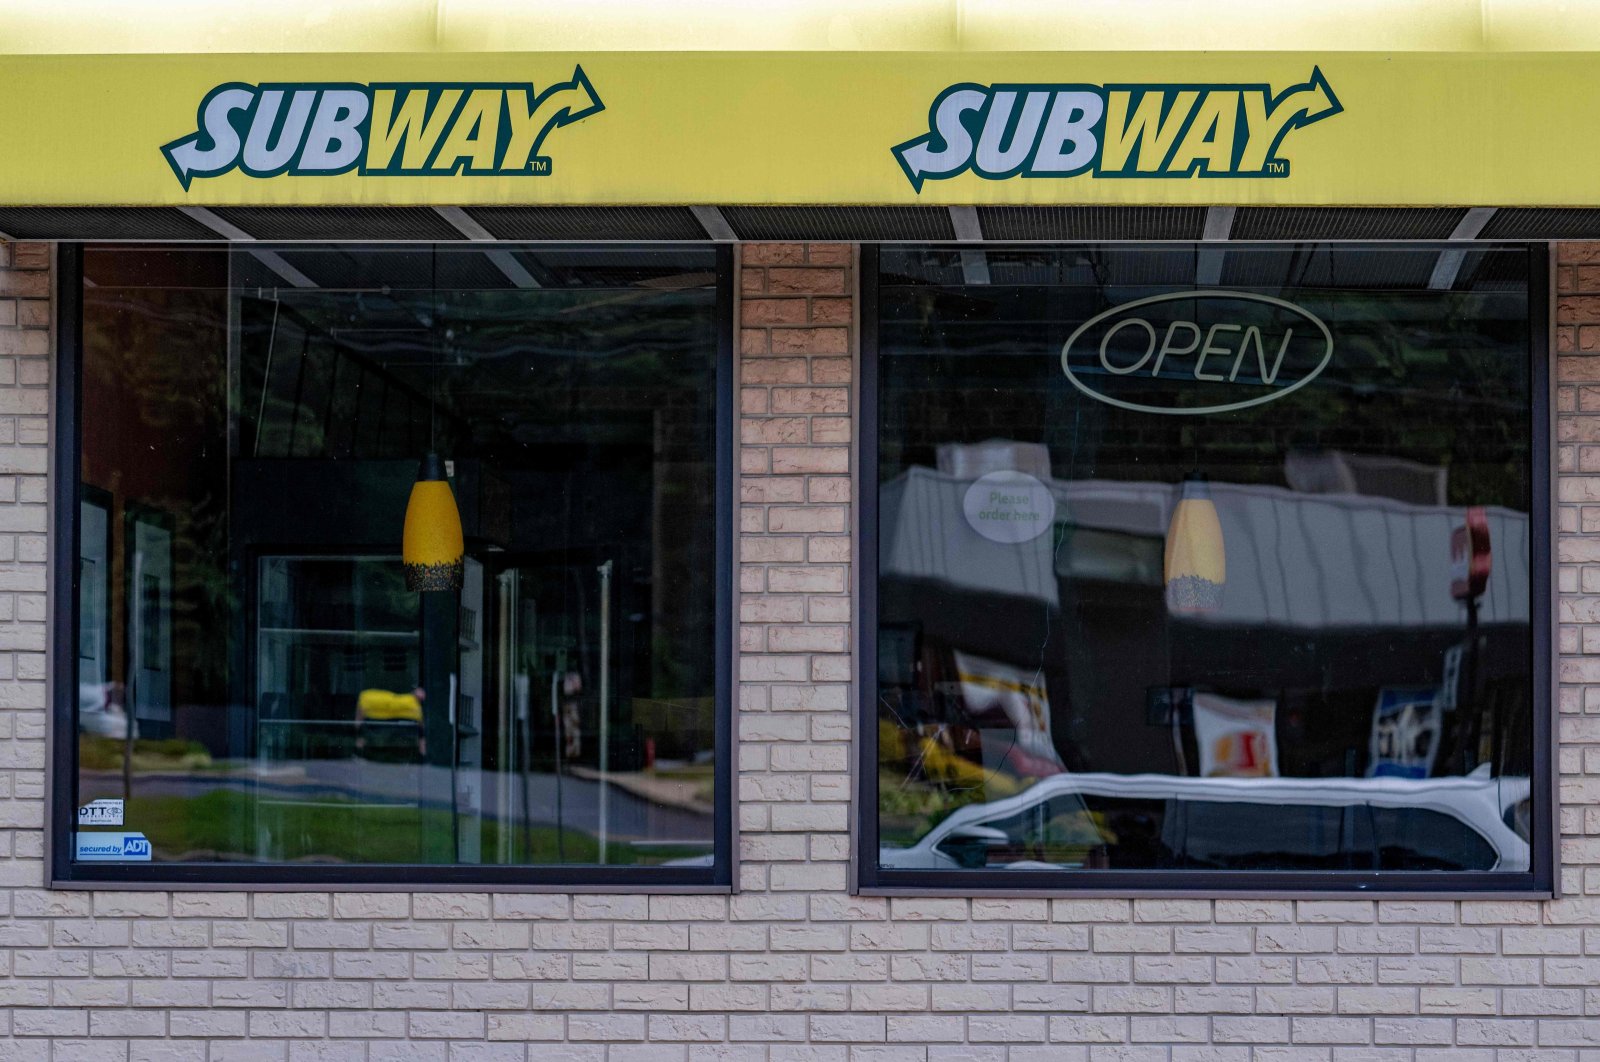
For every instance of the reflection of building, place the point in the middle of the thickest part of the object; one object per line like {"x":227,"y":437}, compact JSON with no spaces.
{"x":1330,"y":599}
{"x":1294,"y":559}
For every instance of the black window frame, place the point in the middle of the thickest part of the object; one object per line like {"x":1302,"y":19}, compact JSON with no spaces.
{"x":1539,"y":881}
{"x":61,"y":825}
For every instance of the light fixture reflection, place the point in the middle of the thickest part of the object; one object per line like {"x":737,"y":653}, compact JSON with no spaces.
{"x":431,"y":547}
{"x":1196,"y":565}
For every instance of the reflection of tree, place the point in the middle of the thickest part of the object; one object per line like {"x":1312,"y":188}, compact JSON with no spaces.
{"x":928,"y":771}
{"x":156,"y":368}
{"x":1439,"y":378}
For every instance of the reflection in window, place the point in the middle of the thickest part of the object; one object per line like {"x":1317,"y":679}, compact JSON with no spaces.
{"x":1165,"y":563}
{"x":257,"y":683}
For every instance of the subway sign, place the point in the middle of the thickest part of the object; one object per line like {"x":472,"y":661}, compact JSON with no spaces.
{"x":393,"y":129}
{"x":1135,"y":130}
{"x":826,"y":128}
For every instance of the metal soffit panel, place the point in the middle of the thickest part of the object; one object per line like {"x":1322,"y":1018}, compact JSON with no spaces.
{"x":101,"y":223}
{"x":322,"y":224}
{"x":1524,"y":224}
{"x":1348,"y":223}
{"x":672,"y":223}
{"x":1089,"y":223}
{"x":865,"y":224}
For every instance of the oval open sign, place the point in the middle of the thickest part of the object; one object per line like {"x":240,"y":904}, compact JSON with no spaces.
{"x":1194,"y":352}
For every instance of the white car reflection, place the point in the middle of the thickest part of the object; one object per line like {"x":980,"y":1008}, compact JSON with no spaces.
{"x":1460,"y":823}
{"x":99,"y":714}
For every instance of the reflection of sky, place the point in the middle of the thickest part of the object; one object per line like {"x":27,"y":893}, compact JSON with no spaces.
{"x":1294,"y":559}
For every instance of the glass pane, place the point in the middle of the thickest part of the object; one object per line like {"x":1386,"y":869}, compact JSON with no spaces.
{"x":258,"y":683}
{"x":1169,"y":543}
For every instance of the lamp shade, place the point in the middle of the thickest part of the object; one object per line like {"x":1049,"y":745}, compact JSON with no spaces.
{"x":431,"y":547}
{"x":1196,"y":565}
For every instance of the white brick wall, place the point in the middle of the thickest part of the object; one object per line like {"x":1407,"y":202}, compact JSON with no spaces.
{"x":793,"y":968}
{"x":25,"y":317}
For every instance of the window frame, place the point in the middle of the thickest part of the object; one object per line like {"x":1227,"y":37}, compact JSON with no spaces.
{"x":61,"y":823}
{"x":1539,"y":881}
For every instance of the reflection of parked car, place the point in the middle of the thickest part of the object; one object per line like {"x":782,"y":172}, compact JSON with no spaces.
{"x":1158,"y":820}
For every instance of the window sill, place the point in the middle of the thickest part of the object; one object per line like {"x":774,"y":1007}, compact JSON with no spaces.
{"x":1112,"y":893}
{"x":102,"y":885}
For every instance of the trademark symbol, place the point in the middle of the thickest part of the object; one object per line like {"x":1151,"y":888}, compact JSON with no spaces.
{"x":539,"y":165}
{"x":1277,"y":167}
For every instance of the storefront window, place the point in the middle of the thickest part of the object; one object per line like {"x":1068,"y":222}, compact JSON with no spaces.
{"x":1207,"y":566}
{"x":264,"y":692}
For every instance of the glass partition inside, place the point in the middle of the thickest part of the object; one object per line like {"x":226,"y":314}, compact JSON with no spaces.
{"x":1209,"y":559}
{"x":258,"y":684}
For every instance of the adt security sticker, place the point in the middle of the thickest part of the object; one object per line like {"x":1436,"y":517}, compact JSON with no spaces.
{"x":104,"y":812}
{"x":113,"y":847}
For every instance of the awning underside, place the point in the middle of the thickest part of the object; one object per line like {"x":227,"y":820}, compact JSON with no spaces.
{"x":1008,"y":224}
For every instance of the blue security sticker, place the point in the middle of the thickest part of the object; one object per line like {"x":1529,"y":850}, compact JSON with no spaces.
{"x":113,"y":847}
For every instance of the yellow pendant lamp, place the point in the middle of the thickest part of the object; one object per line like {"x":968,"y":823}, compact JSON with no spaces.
{"x":1196,"y":566}
{"x":431,"y":547}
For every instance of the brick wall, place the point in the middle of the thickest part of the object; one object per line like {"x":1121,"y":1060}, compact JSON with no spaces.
{"x":25,"y":348}
{"x":795,"y":414}
{"x":792,"y":969}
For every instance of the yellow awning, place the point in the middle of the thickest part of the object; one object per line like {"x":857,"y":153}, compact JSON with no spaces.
{"x":177,"y":27}
{"x":899,"y":102}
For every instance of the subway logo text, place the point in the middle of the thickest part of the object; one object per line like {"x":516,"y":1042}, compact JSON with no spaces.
{"x":380,"y":129}
{"x":1140,"y":130}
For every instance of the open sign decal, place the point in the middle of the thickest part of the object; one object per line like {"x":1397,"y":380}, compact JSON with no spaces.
{"x":1197,"y":352}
